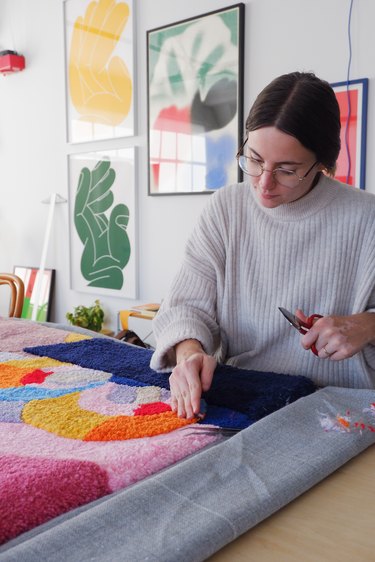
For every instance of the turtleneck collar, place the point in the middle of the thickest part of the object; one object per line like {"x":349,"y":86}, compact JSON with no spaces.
{"x":324,"y":192}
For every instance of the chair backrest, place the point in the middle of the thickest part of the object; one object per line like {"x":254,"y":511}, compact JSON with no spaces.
{"x":17,"y":293}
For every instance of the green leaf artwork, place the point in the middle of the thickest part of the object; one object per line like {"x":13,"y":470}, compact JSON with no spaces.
{"x":106,"y":243}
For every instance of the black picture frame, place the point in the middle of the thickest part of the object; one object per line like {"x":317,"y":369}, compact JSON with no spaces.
{"x":195,"y":102}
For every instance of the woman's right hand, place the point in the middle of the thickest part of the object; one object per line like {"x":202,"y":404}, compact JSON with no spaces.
{"x":193,"y":374}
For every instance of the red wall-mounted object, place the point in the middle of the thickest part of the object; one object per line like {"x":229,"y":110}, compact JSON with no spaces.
{"x":11,"y":62}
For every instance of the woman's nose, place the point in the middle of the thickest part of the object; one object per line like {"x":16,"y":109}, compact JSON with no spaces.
{"x":267,"y":180}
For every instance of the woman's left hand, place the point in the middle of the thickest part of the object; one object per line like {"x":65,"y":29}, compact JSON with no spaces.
{"x":340,"y":337}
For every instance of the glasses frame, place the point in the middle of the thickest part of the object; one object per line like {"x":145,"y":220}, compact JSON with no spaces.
{"x":300,"y":178}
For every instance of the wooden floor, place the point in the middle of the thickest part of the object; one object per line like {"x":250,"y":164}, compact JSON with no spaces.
{"x":332,"y":522}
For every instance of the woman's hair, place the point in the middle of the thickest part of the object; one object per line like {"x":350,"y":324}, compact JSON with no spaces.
{"x":304,"y":106}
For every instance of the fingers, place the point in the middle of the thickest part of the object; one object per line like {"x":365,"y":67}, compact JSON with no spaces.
{"x":185,"y":392}
{"x":338,"y":337}
{"x":321,"y":339}
{"x":187,"y":381}
{"x":301,"y":315}
{"x":311,"y":337}
{"x":325,"y":352}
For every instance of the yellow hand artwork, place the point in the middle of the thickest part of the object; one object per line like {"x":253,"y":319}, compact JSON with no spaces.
{"x":100,"y":84}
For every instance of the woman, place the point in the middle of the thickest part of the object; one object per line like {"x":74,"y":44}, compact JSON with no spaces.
{"x":290,"y":236}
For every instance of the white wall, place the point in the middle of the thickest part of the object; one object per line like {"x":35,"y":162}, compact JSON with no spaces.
{"x":280,"y":36}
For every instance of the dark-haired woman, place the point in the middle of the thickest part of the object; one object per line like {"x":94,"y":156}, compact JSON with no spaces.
{"x":289,"y":236}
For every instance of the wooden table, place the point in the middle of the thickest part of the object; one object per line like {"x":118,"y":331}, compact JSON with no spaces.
{"x":332,"y":522}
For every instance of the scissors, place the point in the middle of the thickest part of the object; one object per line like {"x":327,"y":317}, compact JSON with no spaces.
{"x":212,"y":430}
{"x":300,"y":325}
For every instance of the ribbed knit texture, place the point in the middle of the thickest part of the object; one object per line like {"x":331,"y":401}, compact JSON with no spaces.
{"x":243,"y":261}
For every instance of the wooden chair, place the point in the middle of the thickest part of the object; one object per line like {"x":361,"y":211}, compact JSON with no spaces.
{"x":17,"y":293}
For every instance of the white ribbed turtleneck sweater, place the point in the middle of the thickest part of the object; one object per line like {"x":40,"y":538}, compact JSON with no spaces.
{"x":243,"y":261}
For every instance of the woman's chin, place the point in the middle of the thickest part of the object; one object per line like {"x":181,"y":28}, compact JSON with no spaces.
{"x":268,"y":200}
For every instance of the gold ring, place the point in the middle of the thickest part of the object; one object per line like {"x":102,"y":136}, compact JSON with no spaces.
{"x":326,"y":352}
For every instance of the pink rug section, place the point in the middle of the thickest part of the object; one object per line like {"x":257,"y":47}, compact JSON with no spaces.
{"x":45,"y":474}
{"x":96,"y":400}
{"x":36,"y":490}
{"x":125,"y":462}
{"x":15,"y":334}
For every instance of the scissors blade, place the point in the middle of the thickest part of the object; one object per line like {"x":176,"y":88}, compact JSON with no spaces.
{"x":212,"y":430}
{"x":292,"y":318}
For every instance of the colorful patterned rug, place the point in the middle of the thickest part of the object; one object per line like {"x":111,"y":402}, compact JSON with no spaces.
{"x":81,"y":418}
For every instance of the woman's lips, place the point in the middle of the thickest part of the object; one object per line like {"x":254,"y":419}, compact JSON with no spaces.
{"x":268,"y":196}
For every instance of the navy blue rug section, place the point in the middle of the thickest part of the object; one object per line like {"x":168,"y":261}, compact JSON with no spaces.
{"x":106,"y":355}
{"x":250,"y":395}
{"x":255,"y":393}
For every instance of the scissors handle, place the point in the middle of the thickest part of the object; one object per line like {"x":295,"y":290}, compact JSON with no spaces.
{"x":305,"y":327}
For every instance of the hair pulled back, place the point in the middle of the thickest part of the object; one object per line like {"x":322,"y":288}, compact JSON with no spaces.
{"x":304,"y":106}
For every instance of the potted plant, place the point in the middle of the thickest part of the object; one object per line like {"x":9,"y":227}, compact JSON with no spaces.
{"x":89,"y":317}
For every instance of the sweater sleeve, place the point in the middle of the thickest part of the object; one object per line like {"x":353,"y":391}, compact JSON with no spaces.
{"x":371,"y":302}
{"x":189,"y":310}
{"x":369,"y":350}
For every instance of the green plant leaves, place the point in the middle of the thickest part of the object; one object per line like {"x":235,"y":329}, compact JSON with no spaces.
{"x":87,"y":317}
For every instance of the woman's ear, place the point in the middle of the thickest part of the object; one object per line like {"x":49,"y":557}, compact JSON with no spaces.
{"x":330,"y":172}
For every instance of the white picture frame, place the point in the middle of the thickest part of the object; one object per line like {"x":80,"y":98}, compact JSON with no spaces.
{"x":102,"y":222}
{"x":99,"y":69}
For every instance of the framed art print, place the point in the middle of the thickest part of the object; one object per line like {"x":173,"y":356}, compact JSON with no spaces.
{"x":352,"y":99}
{"x":99,"y":69}
{"x":31,"y":279}
{"x":195,"y":102}
{"x":102,"y":214}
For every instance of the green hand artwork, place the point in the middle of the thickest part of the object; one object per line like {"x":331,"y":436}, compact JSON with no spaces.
{"x":106,"y":243}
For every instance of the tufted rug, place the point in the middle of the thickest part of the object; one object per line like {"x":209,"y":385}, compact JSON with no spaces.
{"x":81,"y":418}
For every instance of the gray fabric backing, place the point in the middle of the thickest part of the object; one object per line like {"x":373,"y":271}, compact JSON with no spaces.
{"x":191,"y":510}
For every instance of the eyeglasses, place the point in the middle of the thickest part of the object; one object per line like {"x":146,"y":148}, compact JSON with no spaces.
{"x":286,"y":178}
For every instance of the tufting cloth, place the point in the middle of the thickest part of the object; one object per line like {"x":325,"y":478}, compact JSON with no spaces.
{"x":83,"y":419}
{"x":193,"y":509}
{"x":252,"y":393}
